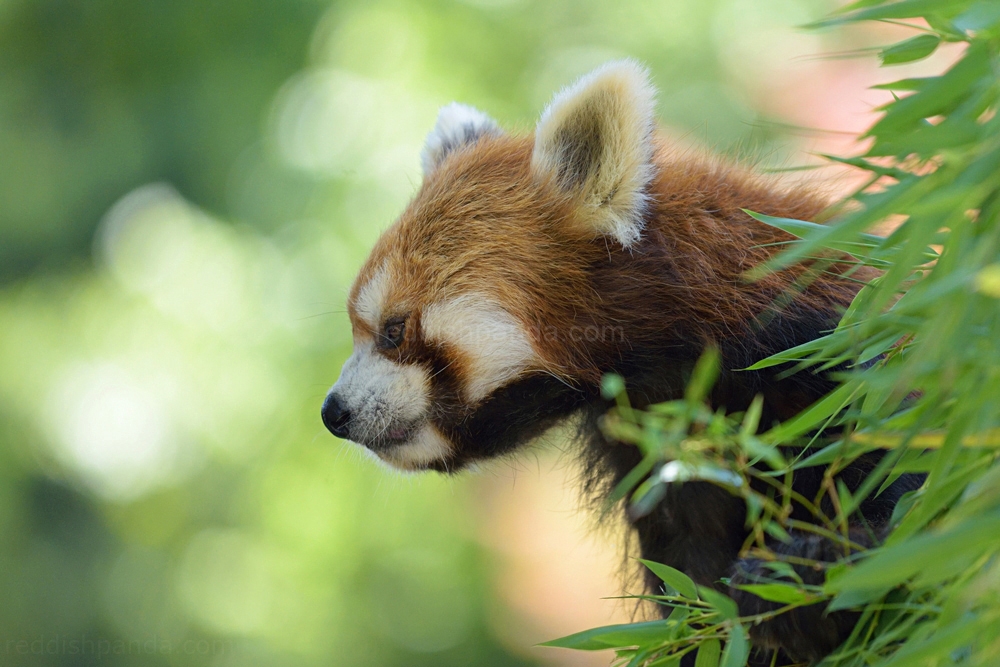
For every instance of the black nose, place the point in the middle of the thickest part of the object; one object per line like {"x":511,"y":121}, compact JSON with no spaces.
{"x":336,"y":417}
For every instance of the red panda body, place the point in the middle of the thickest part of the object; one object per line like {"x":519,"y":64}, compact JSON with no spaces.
{"x":526,"y":268}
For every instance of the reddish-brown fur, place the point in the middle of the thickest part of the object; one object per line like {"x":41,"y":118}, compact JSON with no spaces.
{"x":483,"y":222}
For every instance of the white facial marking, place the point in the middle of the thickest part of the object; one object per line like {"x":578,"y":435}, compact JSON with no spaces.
{"x":495,"y":343}
{"x":381,"y":394}
{"x":371,"y":298}
{"x":426,"y":446}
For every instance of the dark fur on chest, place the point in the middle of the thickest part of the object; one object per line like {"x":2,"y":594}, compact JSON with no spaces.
{"x":700,"y":528}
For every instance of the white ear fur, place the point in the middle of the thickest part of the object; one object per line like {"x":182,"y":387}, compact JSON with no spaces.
{"x":595,"y":142}
{"x":457,"y":125}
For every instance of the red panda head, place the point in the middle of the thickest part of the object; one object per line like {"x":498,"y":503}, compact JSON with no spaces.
{"x":462,"y":314}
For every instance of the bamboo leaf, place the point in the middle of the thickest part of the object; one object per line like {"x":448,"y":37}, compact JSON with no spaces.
{"x":613,"y":636}
{"x":815,"y":415}
{"x":703,"y":377}
{"x":709,"y":654}
{"x":928,"y":553}
{"x":737,"y":648}
{"x":905,"y":9}
{"x":778,"y":592}
{"x":912,"y":49}
{"x":721,"y":603}
{"x":673,"y":578}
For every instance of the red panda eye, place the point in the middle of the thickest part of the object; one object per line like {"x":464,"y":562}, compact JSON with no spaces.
{"x":393,"y":333}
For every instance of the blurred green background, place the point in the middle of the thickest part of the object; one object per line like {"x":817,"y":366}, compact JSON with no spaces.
{"x":186,"y":189}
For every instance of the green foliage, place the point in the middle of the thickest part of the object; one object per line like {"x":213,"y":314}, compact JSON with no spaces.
{"x":921,"y":345}
{"x":106,"y":95}
{"x":700,"y":618}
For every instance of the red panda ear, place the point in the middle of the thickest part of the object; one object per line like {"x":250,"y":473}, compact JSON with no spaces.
{"x":457,"y":125}
{"x":595,"y":143}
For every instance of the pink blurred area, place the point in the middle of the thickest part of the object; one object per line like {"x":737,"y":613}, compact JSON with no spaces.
{"x":558,"y":572}
{"x":829,"y":99}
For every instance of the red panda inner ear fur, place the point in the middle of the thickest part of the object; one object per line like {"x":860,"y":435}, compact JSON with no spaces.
{"x":594,"y":142}
{"x":457,"y":125}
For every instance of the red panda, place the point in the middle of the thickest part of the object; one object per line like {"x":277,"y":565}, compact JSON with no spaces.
{"x":527,"y":267}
